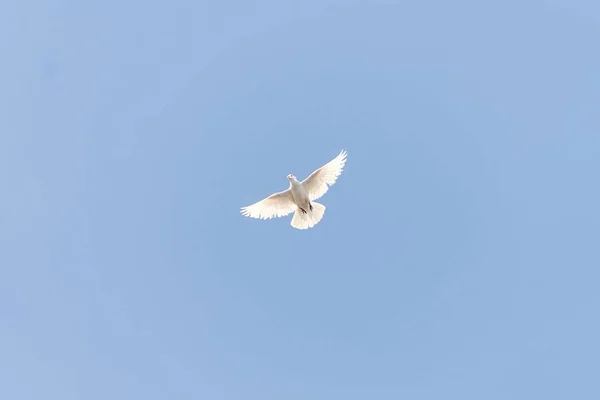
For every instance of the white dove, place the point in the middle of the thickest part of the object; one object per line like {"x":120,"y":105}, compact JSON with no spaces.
{"x":300,"y":196}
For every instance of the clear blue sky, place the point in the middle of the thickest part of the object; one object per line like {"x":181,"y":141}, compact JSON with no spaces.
{"x":459,"y":256}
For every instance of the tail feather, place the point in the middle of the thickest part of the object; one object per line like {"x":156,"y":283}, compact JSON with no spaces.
{"x":310,"y":219}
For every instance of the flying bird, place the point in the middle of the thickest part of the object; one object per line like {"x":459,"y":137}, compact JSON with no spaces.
{"x":299,"y":197}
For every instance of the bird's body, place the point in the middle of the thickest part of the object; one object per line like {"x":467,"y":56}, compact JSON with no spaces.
{"x":299,"y":194}
{"x":299,"y":197}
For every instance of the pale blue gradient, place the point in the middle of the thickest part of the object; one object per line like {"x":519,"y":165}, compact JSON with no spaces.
{"x":459,"y":256}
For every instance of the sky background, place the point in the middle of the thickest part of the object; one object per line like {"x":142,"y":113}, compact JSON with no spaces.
{"x":459,"y":256}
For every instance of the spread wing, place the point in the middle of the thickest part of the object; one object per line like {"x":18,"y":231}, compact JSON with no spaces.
{"x":276,"y":205}
{"x":317,"y":184}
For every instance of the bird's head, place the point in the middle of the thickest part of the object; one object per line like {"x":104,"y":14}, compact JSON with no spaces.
{"x":291,"y":177}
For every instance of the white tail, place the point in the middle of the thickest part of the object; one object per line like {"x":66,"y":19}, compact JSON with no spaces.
{"x":310,"y":219}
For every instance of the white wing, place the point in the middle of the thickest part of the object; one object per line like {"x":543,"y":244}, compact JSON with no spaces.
{"x":317,"y":184}
{"x":276,"y":205}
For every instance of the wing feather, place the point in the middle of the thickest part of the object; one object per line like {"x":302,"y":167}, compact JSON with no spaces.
{"x":276,"y":205}
{"x":317,"y":184}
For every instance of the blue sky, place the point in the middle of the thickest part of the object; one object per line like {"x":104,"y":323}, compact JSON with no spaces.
{"x":459,"y":254}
